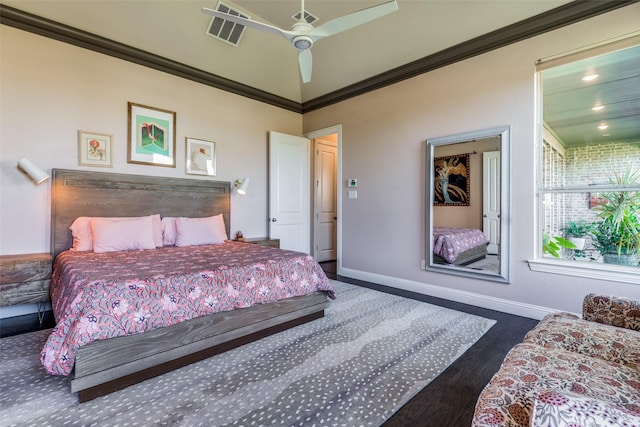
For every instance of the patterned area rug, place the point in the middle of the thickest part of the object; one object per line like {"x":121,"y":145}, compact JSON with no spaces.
{"x":356,"y":366}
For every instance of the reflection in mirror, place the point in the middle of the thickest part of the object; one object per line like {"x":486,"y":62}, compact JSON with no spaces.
{"x":467,"y":208}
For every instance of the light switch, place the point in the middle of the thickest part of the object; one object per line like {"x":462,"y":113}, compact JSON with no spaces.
{"x":353,"y":194}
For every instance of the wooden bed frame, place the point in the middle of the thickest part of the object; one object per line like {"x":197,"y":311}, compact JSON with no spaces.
{"x":465,"y":258}
{"x":102,"y":367}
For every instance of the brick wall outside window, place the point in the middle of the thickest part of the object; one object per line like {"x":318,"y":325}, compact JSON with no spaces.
{"x":581,"y":167}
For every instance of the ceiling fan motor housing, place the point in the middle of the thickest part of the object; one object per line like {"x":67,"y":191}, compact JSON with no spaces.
{"x":302,"y":42}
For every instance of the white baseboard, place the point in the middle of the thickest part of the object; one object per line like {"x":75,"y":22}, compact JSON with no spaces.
{"x":478,"y":300}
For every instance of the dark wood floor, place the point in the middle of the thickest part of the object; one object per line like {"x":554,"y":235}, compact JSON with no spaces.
{"x":449,"y":400}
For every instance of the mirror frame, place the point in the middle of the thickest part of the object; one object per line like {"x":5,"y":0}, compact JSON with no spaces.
{"x":504,"y":133}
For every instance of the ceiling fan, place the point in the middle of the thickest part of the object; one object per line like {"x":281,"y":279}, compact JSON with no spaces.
{"x":302,"y":34}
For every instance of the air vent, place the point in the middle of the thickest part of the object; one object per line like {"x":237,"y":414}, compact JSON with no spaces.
{"x":307,"y":16}
{"x":224,"y":30}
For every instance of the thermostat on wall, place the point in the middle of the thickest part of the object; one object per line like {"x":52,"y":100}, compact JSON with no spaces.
{"x":352,"y":183}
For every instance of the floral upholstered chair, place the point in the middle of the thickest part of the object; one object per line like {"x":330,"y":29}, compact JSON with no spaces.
{"x":571,"y":371}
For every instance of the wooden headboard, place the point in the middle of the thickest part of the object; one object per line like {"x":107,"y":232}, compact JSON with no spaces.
{"x":77,"y":193}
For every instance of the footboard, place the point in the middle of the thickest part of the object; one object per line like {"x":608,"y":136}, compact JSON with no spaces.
{"x":106,"y":366}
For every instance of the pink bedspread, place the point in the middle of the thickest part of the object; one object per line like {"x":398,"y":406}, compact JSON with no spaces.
{"x":101,"y":296}
{"x":449,"y":243}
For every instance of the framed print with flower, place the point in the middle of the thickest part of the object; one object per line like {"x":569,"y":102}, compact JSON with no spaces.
{"x":201,"y":157}
{"x":94,"y":149}
{"x":152,"y":136}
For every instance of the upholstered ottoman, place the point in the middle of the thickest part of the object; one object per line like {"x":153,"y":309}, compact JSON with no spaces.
{"x":529,"y":369}
{"x":571,"y":371}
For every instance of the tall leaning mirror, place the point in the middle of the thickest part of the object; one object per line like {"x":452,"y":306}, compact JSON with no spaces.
{"x":467,"y":212}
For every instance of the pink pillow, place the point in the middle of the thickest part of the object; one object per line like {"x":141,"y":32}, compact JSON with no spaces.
{"x":83,"y":240}
{"x":169,"y":231}
{"x":81,"y":233}
{"x":111,"y":235}
{"x":200,"y":231}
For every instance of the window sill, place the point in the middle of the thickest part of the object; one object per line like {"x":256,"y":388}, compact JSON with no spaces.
{"x":591,"y":270}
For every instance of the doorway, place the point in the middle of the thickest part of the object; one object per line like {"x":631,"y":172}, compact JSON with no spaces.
{"x":326,"y":200}
{"x":491,"y":199}
{"x":325,"y":213}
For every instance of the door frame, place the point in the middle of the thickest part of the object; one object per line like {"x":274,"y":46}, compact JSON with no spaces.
{"x":336,"y":129}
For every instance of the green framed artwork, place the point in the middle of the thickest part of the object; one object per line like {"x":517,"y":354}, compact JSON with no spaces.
{"x":152,"y":136}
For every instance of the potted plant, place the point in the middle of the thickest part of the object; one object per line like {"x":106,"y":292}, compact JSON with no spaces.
{"x":553,"y":245}
{"x":576,"y":233}
{"x":617,"y":232}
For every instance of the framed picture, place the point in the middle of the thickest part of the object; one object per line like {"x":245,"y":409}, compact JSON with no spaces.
{"x":451,"y":180}
{"x":152,"y":136}
{"x":94,"y":149}
{"x":201,"y":157}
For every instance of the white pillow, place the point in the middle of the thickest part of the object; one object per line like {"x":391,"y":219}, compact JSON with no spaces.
{"x":83,"y":240}
{"x":110,"y":235}
{"x":200,"y":231}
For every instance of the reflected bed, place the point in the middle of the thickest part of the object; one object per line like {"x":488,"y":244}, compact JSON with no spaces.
{"x":458,"y":246}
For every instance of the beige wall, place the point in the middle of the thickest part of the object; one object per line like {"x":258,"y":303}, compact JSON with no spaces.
{"x":383,"y":145}
{"x":50,"y":90}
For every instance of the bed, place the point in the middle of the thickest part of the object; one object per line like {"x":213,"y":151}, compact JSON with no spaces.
{"x":107,"y":359}
{"x":458,"y":246}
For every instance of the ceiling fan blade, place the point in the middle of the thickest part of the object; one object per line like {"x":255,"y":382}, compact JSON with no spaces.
{"x":250,"y":23}
{"x":351,"y":20}
{"x":305,"y":60}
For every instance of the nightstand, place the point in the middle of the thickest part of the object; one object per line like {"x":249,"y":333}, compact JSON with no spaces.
{"x":24,"y":279}
{"x":263,"y":241}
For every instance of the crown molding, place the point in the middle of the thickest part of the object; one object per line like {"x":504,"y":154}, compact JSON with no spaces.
{"x":567,"y":14}
{"x":45,"y":27}
{"x":564,"y":15}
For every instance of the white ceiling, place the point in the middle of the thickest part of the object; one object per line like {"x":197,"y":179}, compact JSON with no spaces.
{"x":175,"y":29}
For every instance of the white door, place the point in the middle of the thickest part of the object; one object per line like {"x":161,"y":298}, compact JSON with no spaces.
{"x":491,"y":199}
{"x":289,"y":198}
{"x":326,"y":209}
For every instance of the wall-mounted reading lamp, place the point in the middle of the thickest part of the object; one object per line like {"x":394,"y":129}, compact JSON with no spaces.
{"x":35,"y":173}
{"x":241,"y":185}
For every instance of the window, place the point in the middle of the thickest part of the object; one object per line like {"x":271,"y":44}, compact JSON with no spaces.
{"x":589,"y":162}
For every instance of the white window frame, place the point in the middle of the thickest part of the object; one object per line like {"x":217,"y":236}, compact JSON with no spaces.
{"x":592,"y":270}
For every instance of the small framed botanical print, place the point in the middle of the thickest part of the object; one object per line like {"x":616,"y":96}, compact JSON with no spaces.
{"x":200,"y":157}
{"x":94,"y":149}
